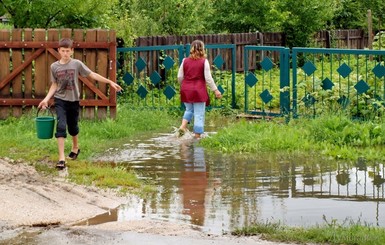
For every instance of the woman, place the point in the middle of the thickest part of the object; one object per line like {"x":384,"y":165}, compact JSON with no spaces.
{"x":194,"y":73}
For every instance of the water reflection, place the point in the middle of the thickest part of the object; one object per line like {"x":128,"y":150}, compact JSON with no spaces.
{"x":220,"y":192}
{"x":193,"y":182}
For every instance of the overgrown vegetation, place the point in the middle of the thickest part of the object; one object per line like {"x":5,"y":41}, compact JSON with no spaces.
{"x":20,"y":142}
{"x":133,"y":18}
{"x":331,"y":233}
{"x":334,"y":136}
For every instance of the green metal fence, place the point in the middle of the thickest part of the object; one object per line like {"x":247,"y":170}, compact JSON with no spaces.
{"x":267,"y":82}
{"x":150,"y":75}
{"x":336,"y":80}
{"x":150,"y":80}
{"x":302,"y":82}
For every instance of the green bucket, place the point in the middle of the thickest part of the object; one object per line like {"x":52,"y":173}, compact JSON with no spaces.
{"x":45,"y":125}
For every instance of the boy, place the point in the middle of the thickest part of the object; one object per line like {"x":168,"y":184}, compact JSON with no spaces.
{"x":64,"y":88}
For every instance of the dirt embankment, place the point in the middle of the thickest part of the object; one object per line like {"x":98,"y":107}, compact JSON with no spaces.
{"x":30,"y":199}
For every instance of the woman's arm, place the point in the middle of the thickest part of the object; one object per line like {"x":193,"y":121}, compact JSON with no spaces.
{"x":208,"y":77}
{"x":210,"y":81}
{"x":181,"y":73}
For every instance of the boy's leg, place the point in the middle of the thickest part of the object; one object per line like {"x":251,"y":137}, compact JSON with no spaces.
{"x":61,"y":128}
{"x":73,"y":126}
{"x":75,"y":146}
{"x":60,"y":145}
{"x":199,"y":118}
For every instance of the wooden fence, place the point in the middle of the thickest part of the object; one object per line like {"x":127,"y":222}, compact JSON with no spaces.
{"x":352,"y":39}
{"x":26,"y":56}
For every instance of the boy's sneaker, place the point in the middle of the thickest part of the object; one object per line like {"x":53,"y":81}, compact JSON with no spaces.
{"x":61,"y":165}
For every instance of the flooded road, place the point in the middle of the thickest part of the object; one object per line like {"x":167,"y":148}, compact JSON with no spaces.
{"x":219,"y":193}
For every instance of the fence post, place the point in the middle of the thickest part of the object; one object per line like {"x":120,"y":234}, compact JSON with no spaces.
{"x":285,"y":81}
{"x":370,"y":30}
{"x":5,"y":91}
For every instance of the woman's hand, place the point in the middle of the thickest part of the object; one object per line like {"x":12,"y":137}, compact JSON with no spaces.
{"x":218,"y":94}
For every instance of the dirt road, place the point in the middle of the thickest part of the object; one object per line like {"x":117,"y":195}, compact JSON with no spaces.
{"x":38,"y":209}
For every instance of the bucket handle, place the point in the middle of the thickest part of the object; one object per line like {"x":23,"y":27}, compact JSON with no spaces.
{"x":49,"y":108}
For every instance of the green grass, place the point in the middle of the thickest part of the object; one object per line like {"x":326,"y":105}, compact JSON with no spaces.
{"x":333,"y":136}
{"x":20,"y":142}
{"x":349,"y":234}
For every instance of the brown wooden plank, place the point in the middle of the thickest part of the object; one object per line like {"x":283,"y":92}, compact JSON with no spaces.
{"x":17,"y":59}
{"x":90,"y":59}
{"x":40,"y":78}
{"x":52,"y":36}
{"x":66,"y":33}
{"x":28,"y":69}
{"x":102,"y":65}
{"x":112,"y":72}
{"x":4,"y":71}
{"x":29,"y":102}
{"x":46,"y":44}
{"x":78,"y":36}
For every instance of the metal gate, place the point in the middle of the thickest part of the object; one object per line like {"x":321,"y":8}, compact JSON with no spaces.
{"x":267,"y":83}
{"x":150,"y":80}
{"x":338,"y":80}
{"x":302,"y":82}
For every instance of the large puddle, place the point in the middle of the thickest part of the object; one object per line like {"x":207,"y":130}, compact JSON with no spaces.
{"x":219,"y":193}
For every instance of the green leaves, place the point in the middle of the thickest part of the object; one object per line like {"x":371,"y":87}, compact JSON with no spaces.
{"x":56,"y":13}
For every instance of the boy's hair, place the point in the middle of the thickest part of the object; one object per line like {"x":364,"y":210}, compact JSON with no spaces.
{"x":65,"y":43}
{"x":197,"y":50}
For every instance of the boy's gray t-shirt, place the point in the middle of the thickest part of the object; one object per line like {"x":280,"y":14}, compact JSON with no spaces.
{"x":66,"y":76}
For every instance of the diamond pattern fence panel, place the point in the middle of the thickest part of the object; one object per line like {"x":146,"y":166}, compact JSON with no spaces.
{"x":149,"y":75}
{"x":266,"y":83}
{"x":338,"y":80}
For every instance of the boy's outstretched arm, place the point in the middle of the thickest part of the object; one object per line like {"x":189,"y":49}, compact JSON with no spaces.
{"x":102,"y":79}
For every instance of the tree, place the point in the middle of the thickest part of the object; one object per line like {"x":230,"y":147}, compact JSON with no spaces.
{"x":245,"y":16}
{"x":304,"y":18}
{"x":349,"y":15}
{"x":352,"y":14}
{"x":133,"y":18}
{"x":56,"y":13}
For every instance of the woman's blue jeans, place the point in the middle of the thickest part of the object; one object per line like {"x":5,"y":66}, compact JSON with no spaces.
{"x":196,"y":110}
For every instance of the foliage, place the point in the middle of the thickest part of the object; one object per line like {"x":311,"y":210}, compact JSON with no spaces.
{"x":304,"y":18}
{"x":245,"y":16}
{"x":329,"y":135}
{"x":55,"y":14}
{"x":299,"y":20}
{"x":352,"y":14}
{"x":379,"y":41}
{"x":350,"y":233}
{"x":168,"y":17}
{"x":349,"y":15}
{"x":5,"y":27}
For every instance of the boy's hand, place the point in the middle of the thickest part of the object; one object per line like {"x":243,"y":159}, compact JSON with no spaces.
{"x":43,"y":104}
{"x":115,"y":86}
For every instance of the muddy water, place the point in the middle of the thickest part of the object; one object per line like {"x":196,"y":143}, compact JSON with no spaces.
{"x":219,"y":193}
